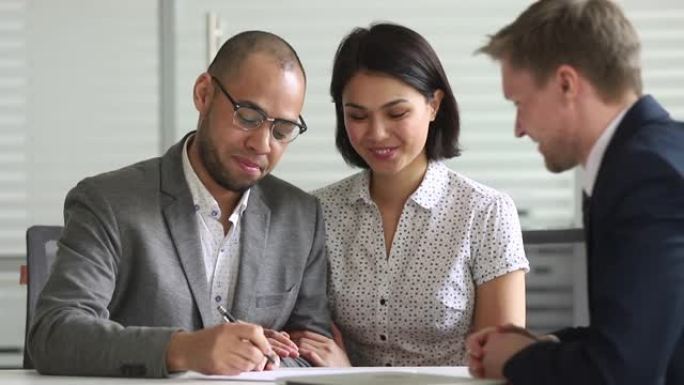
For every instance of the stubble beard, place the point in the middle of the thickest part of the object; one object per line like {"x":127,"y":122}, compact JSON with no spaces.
{"x":212,"y":163}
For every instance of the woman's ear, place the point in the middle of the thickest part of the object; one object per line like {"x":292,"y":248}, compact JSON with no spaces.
{"x":202,"y":93}
{"x":435,"y":102}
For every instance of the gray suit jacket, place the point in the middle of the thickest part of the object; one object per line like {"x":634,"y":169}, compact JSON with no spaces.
{"x":129,"y":270}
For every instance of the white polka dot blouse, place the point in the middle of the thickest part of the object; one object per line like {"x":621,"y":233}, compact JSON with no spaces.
{"x":415,"y":306}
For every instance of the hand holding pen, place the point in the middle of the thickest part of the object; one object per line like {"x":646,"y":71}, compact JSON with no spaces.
{"x":227,"y":349}
{"x":229,"y":318}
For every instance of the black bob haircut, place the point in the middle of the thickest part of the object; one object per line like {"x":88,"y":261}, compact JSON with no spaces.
{"x":403,"y":54}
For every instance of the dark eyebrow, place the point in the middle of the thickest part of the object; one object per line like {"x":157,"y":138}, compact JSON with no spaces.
{"x":394,"y":103}
{"x":247,"y":103}
{"x":386,"y":105}
{"x":353,"y":105}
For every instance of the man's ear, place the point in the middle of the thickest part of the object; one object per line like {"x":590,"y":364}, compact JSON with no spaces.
{"x":435,"y":102}
{"x":567,"y":78}
{"x":203,"y":93}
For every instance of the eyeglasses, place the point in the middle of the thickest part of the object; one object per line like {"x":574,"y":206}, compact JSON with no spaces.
{"x":251,"y":118}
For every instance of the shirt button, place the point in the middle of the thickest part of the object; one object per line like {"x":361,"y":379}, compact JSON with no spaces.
{"x":217,"y":298}
{"x":214,"y":213}
{"x":197,"y":207}
{"x":383,"y":337}
{"x":222,"y":250}
{"x":382,"y":302}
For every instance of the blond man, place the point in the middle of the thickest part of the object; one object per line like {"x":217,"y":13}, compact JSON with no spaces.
{"x":572,"y":70}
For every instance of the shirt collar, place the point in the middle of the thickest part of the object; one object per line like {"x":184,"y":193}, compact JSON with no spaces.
{"x":360,"y":189}
{"x":428,"y":193}
{"x":433,"y":186}
{"x":202,"y":199}
{"x":597,"y":151}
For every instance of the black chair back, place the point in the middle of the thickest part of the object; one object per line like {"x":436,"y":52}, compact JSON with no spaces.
{"x":41,"y":249}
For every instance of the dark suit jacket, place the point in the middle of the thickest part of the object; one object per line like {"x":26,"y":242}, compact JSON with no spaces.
{"x":129,"y":270}
{"x":635,"y":242}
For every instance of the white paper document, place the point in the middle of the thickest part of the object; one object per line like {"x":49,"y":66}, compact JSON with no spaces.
{"x":357,"y":376}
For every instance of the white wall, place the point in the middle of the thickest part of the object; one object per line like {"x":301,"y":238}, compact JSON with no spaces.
{"x":89,"y":102}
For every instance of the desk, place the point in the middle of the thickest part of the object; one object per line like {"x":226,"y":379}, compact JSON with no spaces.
{"x":31,"y":377}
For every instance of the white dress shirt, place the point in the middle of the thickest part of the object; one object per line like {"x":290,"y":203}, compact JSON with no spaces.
{"x":221,"y":253}
{"x":591,"y":169}
{"x":415,"y":307}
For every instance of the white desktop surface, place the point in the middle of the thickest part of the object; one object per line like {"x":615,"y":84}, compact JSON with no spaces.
{"x":31,"y":377}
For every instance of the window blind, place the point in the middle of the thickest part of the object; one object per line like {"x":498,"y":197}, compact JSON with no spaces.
{"x":13,"y":136}
{"x":78,"y":96}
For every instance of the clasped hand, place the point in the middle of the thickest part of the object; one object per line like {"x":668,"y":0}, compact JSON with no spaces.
{"x":490,"y":348}
{"x":321,"y":350}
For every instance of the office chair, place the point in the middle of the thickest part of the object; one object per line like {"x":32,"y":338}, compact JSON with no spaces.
{"x":556,"y":284}
{"x":41,"y":249}
{"x":553,"y":236}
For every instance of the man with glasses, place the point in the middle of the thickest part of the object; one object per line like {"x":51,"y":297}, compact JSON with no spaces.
{"x":150,"y":252}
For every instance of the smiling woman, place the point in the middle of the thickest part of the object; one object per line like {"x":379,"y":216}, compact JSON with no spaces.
{"x":387,"y":122}
{"x":419,"y":254}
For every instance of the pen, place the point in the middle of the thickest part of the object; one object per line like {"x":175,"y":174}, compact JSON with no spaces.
{"x":229,"y":318}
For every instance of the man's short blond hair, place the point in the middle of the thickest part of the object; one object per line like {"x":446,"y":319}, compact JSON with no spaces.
{"x":592,"y":36}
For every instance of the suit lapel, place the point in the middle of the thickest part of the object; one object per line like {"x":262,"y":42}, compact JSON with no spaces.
{"x":645,"y":110}
{"x":253,"y":241}
{"x":179,"y":215}
{"x":611,"y":174}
